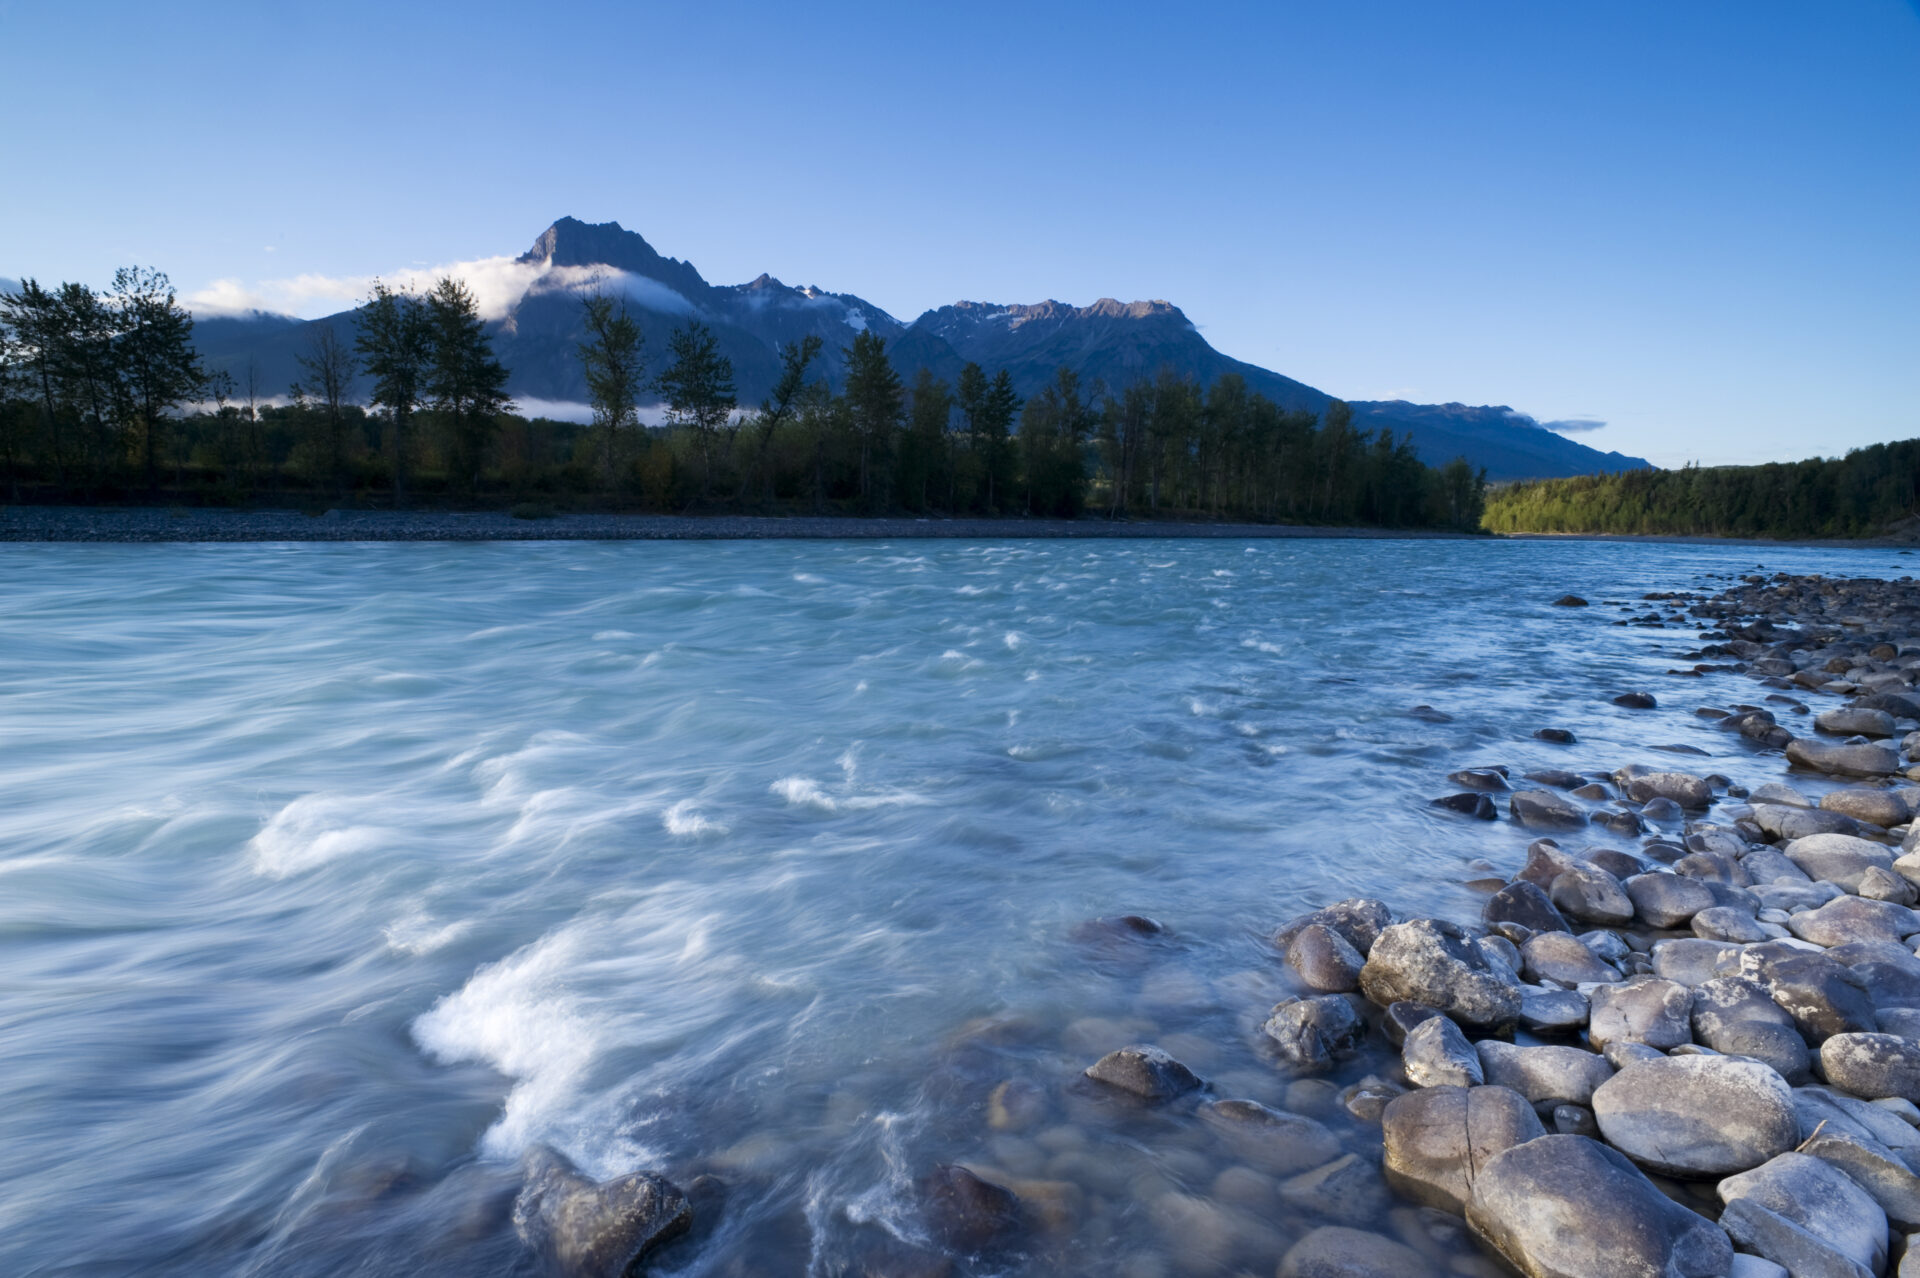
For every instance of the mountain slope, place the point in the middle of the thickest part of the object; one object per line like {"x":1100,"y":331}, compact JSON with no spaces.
{"x":1111,"y":342}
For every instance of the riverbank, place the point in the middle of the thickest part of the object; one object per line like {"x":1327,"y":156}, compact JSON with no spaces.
{"x":147,"y":524}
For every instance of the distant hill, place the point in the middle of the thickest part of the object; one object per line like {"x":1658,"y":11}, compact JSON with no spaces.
{"x":1114,"y":342}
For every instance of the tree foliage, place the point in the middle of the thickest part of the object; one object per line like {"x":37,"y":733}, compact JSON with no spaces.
{"x":1859,"y":495}
{"x":97,"y":389}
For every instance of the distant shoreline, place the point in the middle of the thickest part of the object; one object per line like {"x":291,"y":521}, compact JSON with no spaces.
{"x":149,"y":524}
{"x":154,"y":524}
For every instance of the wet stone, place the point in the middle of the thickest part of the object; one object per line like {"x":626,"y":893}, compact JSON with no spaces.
{"x":1270,"y":1140}
{"x":596,"y":1230}
{"x":1314,"y":1034}
{"x":1493,"y":780}
{"x":1468,"y":804}
{"x":1667,"y":900}
{"x":1586,"y":892}
{"x":1545,"y":810}
{"x":1145,"y":1072}
{"x":1335,"y":1251}
{"x":1323,"y":960}
{"x":1438,"y":1139}
{"x":1823,"y":997}
{"x":1524,"y":903}
{"x":1358,"y":920}
{"x":1854,"y":919}
{"x":1346,"y":1191}
{"x":967,"y":1213}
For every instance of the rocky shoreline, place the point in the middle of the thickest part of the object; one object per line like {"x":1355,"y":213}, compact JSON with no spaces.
{"x":150,"y":524}
{"x":1698,"y":1057}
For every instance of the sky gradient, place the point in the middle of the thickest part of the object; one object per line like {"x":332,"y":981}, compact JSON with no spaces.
{"x":1694,"y":222}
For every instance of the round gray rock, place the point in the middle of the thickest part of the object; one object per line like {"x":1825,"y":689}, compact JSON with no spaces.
{"x":1876,"y":1066}
{"x":1434,"y":963}
{"x":1569,"y":1207}
{"x":1438,"y":1139}
{"x":1697,"y":1116}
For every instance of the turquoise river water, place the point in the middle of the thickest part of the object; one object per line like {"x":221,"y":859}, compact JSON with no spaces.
{"x":334,"y":876}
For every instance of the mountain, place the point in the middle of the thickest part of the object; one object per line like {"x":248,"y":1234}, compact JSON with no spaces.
{"x":1110,"y":341}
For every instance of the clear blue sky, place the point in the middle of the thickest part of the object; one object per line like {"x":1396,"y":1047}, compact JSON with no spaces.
{"x":1694,"y":221}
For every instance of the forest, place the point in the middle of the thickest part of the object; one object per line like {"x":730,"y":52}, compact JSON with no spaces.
{"x":103,"y":400}
{"x":1859,"y":495}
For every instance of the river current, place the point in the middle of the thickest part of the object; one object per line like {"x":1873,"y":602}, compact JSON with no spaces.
{"x":332,"y":877}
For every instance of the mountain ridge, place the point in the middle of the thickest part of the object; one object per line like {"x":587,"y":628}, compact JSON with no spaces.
{"x":1110,"y":341}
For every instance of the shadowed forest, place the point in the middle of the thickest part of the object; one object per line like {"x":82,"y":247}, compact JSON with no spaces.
{"x":103,"y":400}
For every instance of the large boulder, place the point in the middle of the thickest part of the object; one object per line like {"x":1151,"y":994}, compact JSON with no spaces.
{"x":1545,"y":810}
{"x":595,"y":1230}
{"x":1697,"y":1116}
{"x":1437,"y":1054}
{"x":1884,"y":808}
{"x":1838,"y":759}
{"x":1569,"y":1207}
{"x":1668,"y":900}
{"x":1438,"y":1139}
{"x":1876,"y":1066}
{"x":1271,"y":1140}
{"x":1851,"y":919}
{"x":1645,"y":1010}
{"x":1544,"y":1074}
{"x":1837,"y":858}
{"x":1145,"y":1072}
{"x":1737,"y":1016}
{"x":1806,"y":1214}
{"x":1436,"y":964}
{"x":1849,"y":721}
{"x":1314,"y":1034}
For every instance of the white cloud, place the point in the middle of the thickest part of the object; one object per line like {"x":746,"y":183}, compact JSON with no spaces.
{"x":498,"y":284}
{"x":1574,"y":425}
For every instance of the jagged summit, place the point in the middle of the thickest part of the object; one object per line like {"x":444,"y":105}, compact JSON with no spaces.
{"x":571,"y":242}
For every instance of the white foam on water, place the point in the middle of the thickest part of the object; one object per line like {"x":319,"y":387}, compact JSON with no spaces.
{"x":608,"y":636}
{"x":311,"y":831}
{"x":1013,"y":639}
{"x":1261,"y":645}
{"x":517,"y":1016}
{"x":683,"y":821}
{"x":805,"y":792}
{"x":807,"y":578}
{"x":418,"y":933}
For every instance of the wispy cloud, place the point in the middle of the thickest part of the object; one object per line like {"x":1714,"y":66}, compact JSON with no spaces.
{"x":498,"y":284}
{"x":1573,"y":425}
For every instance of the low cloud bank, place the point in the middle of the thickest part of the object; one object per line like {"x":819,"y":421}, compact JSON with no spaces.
{"x":498,"y":284}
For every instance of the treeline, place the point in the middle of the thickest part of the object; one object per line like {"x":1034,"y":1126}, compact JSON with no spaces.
{"x":103,"y":399}
{"x":1858,"y":495}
